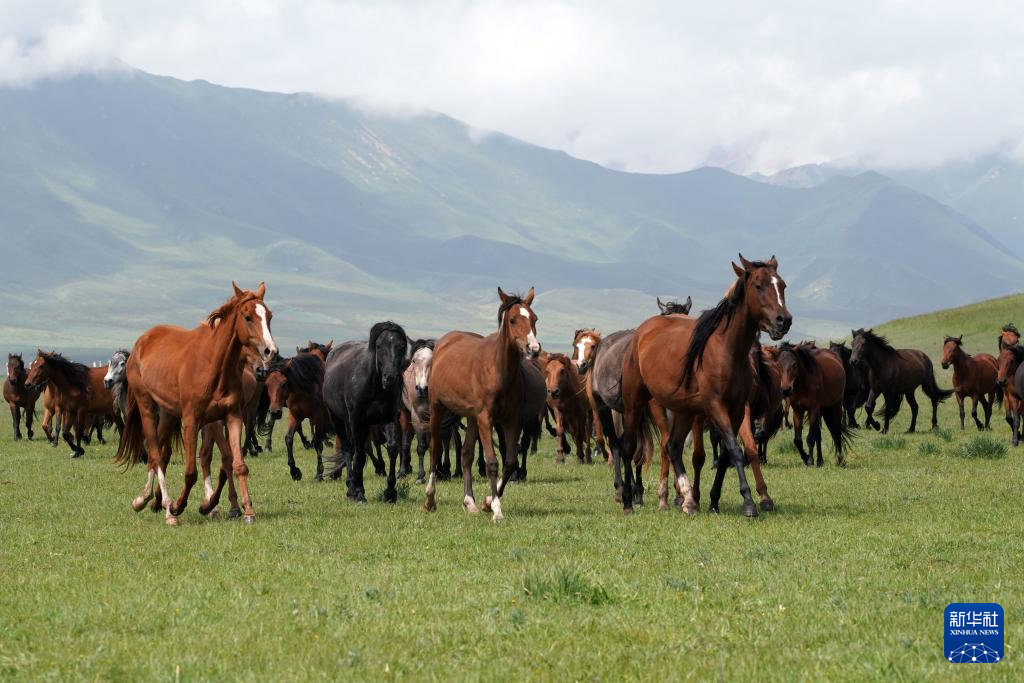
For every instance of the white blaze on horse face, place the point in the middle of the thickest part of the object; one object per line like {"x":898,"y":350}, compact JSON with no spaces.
{"x":581,"y":350}
{"x":109,"y":377}
{"x":421,"y":361}
{"x":531,"y":339}
{"x":268,"y":340}
{"x":778,"y":294}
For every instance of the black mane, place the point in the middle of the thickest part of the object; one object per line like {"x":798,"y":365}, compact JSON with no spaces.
{"x":955,"y":340}
{"x":418,"y":344}
{"x":803,"y":354}
{"x":710,"y":320}
{"x":305,"y":373}
{"x":76,"y":374}
{"x":387,"y":326}
{"x":510,"y":301}
{"x":877,"y":340}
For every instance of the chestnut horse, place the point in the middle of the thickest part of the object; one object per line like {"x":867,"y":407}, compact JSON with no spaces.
{"x":1011,"y":381}
{"x":1008,"y":336}
{"x":974,"y":376}
{"x":896,"y":374}
{"x":568,"y":392}
{"x":701,"y":367}
{"x":482,"y":379}
{"x":297,"y":383}
{"x":188,"y":378}
{"x":19,"y":396}
{"x":82,"y":396}
{"x":814,"y":382}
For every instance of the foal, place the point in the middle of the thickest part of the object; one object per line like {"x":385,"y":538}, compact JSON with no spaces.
{"x":973,"y":376}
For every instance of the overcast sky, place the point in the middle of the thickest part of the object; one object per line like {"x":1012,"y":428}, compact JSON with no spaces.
{"x":647,"y":86}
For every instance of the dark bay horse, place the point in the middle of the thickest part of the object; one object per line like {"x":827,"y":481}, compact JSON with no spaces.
{"x":896,"y":374}
{"x":814,"y":382}
{"x":81,"y":395}
{"x":674,"y":307}
{"x":180,"y":380}
{"x":297,"y":383}
{"x":858,"y":386}
{"x":484,"y":380}
{"x":1011,"y":380}
{"x":701,"y":367}
{"x":568,"y":391}
{"x":974,"y":377}
{"x":362,"y":389}
{"x":1008,"y":336}
{"x":20,"y":398}
{"x":267,"y":429}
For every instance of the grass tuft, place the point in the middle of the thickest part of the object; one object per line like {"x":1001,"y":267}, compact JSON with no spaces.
{"x":889,"y":442}
{"x":982,"y":446}
{"x":943,"y":434}
{"x":928,"y":448}
{"x":564,"y":584}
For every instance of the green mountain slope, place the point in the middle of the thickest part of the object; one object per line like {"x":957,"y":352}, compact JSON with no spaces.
{"x":128,"y":199}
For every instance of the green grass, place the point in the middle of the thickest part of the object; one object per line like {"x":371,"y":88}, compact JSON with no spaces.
{"x":846,"y":581}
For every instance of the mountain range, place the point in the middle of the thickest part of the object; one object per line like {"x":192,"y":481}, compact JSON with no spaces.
{"x":129,"y":199}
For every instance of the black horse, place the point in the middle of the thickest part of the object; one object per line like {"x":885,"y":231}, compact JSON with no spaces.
{"x":363,"y":388}
{"x":674,"y":307}
{"x":896,"y":374}
{"x":858,"y":386}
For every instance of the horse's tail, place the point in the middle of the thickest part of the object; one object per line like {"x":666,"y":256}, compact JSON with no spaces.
{"x":844,"y":437}
{"x":133,"y":439}
{"x":931,"y":387}
{"x":997,"y":398}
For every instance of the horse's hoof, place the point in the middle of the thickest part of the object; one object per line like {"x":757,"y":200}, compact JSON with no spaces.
{"x":713,"y":508}
{"x":173,"y":509}
{"x":171,"y":520}
{"x":662,"y":505}
{"x":470,"y":505}
{"x":819,"y":464}
{"x":17,"y":437}
{"x":430,"y":505}
{"x":618,"y":496}
{"x":678,"y":502}
{"x":138,"y":503}
{"x":749,"y":510}
{"x":487,"y":504}
{"x":768,"y":505}
{"x":318,"y":477}
{"x":691,"y":508}
{"x":234,"y":513}
{"x":521,"y":476}
{"x":296,"y":474}
{"x":627,"y":511}
{"x":420,"y":479}
{"x":443,"y":476}
{"x":249,"y":519}
{"x":390,"y":496}
{"x":214,"y":513}
{"x":76,"y":454}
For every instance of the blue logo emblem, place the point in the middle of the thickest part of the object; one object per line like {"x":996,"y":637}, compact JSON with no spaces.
{"x":974,"y":633}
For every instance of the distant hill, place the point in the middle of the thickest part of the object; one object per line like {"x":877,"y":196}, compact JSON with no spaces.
{"x":128,"y":199}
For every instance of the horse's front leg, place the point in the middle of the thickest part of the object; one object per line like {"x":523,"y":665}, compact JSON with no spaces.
{"x":359,"y":448}
{"x":492,"y":503}
{"x":238,"y":467}
{"x":16,"y":419}
{"x":727,"y":422}
{"x":974,"y":412}
{"x":960,"y":405}
{"x":691,"y":505}
{"x":673,"y":454}
{"x":912,"y":402}
{"x":190,"y":434}
{"x":205,"y":461}
{"x":869,"y":411}
{"x":391,"y":444}
{"x":798,"y":437}
{"x":289,"y":442}
{"x":29,"y":419}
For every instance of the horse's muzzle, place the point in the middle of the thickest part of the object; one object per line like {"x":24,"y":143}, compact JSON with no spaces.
{"x":555,"y":393}
{"x":780,"y":327}
{"x":421,"y":392}
{"x":787,"y":392}
{"x":1001,"y":383}
{"x":582,"y":367}
{"x":276,"y":414}
{"x":108,"y":384}
{"x":945,"y":365}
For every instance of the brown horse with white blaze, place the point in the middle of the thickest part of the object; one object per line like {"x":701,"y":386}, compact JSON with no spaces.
{"x":482,"y":379}
{"x":180,"y":380}
{"x":699,"y":367}
{"x":568,"y":392}
{"x":974,"y":377}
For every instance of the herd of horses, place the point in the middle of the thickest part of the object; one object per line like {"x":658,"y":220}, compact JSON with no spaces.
{"x":618,"y":397}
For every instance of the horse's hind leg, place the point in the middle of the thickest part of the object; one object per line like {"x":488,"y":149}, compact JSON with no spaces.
{"x":191,"y":437}
{"x":912,"y":402}
{"x":29,"y":418}
{"x":724,"y":421}
{"x":238,"y":466}
{"x":974,"y":411}
{"x":750,"y":449}
{"x":960,"y":404}
{"x":987,"y":402}
{"x":422,"y":443}
{"x":289,"y":441}
{"x":16,"y":418}
{"x":492,"y":503}
{"x":798,"y":437}
{"x":691,"y":505}
{"x":673,"y":455}
{"x":205,"y":460}
{"x":391,"y":444}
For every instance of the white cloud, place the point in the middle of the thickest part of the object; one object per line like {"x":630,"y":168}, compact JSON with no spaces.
{"x":659,"y":86}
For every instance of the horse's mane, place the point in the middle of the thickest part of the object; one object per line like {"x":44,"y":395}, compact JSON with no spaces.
{"x":387,"y":326}
{"x":418,"y":344}
{"x":591,"y":331}
{"x":710,"y":320}
{"x":804,"y":355}
{"x":76,"y":374}
{"x":510,"y":301}
{"x":122,"y":352}
{"x":224,"y":309}
{"x":1010,"y":327}
{"x":1017,"y":351}
{"x":875,"y":339}
{"x":305,"y":373}
{"x":313,"y":346}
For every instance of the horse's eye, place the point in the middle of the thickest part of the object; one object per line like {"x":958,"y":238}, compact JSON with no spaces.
{"x":248,"y":319}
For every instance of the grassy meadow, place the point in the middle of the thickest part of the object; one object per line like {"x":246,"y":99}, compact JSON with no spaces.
{"x":847,"y":580}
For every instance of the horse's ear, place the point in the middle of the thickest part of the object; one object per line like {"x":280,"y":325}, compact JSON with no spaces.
{"x":260,"y":291}
{"x":661,"y":306}
{"x":747,"y":265}
{"x":853,"y":333}
{"x":297,"y":349}
{"x":773,"y":262}
{"x":528,"y":299}
{"x":960,"y":339}
{"x":310,"y":344}
{"x":736,"y":269}
{"x":502,"y":295}
{"x":689,"y":303}
{"x":328,"y":345}
{"x":238,"y":292}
